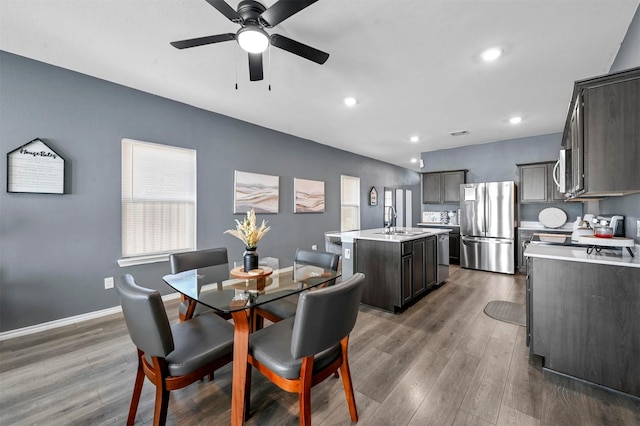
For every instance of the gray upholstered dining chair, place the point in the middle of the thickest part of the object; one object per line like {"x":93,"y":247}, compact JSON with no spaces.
{"x":285,"y":308}
{"x":170,"y":356}
{"x":301,"y":351}
{"x":185,"y":261}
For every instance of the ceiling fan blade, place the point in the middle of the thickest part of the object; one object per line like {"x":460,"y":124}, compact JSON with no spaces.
{"x":282,"y":10}
{"x":299,"y":49}
{"x":201,"y":41}
{"x":224,"y":8}
{"x":255,"y":66}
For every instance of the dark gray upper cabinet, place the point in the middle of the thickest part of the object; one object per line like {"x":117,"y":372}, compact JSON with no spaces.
{"x":431,"y":188}
{"x":442,"y":187}
{"x":603,"y":131}
{"x":537,"y":184}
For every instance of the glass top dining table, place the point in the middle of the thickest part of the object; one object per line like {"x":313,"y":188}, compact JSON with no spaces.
{"x":228,"y":289}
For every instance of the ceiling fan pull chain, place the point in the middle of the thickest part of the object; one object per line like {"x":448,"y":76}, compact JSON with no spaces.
{"x":236,"y":61}
{"x":269,"y":66}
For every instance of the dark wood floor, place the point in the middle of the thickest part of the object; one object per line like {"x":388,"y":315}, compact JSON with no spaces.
{"x":441,"y":362}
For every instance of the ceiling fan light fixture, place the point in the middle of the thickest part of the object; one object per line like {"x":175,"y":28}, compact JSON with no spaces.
{"x":491,"y":54}
{"x":253,"y":39}
{"x":350,"y":101}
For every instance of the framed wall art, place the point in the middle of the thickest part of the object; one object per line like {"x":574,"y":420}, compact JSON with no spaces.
{"x":253,"y":190}
{"x":308,"y":196}
{"x":36,"y":168}
{"x":373,"y":196}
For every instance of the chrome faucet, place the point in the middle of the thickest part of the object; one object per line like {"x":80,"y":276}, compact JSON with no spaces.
{"x":391,"y":215}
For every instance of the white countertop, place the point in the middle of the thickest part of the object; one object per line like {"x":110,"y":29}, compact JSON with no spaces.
{"x":579,"y":254}
{"x":379,"y":235}
{"x":537,"y":226}
{"x":438,"y":225}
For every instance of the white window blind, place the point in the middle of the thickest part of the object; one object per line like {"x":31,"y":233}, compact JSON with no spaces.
{"x":158,"y":199}
{"x":349,"y":203}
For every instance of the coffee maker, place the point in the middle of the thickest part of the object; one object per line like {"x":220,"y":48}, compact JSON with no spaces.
{"x":614,"y":221}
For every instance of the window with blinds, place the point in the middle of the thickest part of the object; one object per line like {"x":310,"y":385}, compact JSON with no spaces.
{"x":158,"y":199}
{"x":349,"y":203}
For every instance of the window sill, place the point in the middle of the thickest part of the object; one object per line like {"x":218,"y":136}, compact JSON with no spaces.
{"x":143,"y":260}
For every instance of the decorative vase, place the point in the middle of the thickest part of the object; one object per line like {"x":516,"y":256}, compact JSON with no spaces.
{"x":250,"y":259}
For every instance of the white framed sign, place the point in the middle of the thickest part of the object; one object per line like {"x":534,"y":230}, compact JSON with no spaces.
{"x":35,"y":168}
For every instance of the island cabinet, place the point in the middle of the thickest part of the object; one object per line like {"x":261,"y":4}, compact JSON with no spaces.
{"x":537,"y":184}
{"x":583,"y":319}
{"x":397,"y":272}
{"x":442,"y":187}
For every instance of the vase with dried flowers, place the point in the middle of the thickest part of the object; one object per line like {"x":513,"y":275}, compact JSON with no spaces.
{"x":247,"y":232}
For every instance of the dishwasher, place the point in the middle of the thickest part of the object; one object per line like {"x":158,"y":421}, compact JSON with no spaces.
{"x":443,"y":258}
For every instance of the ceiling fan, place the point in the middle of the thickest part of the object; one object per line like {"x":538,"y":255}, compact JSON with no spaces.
{"x":253,"y":18}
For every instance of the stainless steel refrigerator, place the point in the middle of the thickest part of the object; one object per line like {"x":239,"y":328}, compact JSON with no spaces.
{"x":488,"y":226}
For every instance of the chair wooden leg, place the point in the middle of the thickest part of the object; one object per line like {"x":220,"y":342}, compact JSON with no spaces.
{"x":162,"y":394}
{"x":137,"y":390}
{"x":304,"y":395}
{"x":162,"y":404}
{"x":346,"y":382}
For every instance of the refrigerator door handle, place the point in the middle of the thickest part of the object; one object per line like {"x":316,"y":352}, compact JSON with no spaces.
{"x":486,"y":217}
{"x":486,"y":240}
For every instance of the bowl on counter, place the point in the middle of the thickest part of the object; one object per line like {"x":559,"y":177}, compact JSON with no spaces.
{"x":603,"y":232}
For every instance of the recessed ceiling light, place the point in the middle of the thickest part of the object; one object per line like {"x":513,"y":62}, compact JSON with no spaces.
{"x":350,"y":101}
{"x":414,"y":160}
{"x":414,"y":139}
{"x":515,"y":120}
{"x":491,"y":54}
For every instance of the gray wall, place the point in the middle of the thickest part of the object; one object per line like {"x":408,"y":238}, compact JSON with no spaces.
{"x":56,"y":250}
{"x":497,"y":161}
{"x":628,"y":57}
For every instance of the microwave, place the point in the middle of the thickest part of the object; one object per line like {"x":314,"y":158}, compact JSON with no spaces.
{"x":562,"y":172}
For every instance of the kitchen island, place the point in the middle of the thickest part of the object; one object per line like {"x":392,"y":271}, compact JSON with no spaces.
{"x":582,"y":314}
{"x":400,"y":267}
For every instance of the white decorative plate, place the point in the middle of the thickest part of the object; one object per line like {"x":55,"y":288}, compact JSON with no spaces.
{"x":552,"y":217}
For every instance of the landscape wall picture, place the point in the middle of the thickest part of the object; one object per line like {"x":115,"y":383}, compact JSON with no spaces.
{"x":309,"y":196}
{"x":253,"y":190}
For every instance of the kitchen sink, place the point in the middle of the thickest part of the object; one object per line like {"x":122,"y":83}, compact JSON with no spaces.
{"x":401,"y":232}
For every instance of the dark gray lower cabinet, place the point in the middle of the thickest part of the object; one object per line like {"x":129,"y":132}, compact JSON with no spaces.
{"x":583,"y":319}
{"x":524,"y":238}
{"x":397,"y":273}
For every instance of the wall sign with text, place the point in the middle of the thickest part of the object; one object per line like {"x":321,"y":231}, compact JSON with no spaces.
{"x":35,"y":168}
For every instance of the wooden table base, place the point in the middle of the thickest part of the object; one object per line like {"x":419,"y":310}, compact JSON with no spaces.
{"x":241,"y":386}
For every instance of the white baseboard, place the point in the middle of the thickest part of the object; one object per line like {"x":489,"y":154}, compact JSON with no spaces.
{"x":6,"y":335}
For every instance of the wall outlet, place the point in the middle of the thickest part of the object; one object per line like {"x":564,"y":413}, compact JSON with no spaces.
{"x":108,"y":283}
{"x":314,"y":247}
{"x":637,"y":228}
{"x":347,"y":253}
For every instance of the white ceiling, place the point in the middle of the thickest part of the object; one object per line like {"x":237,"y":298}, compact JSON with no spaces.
{"x":413,"y":65}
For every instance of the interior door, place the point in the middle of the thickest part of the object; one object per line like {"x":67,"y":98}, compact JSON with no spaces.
{"x":408,"y":208}
{"x":400,"y":208}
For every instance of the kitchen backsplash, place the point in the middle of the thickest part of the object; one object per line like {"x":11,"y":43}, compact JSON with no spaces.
{"x":441,"y":216}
